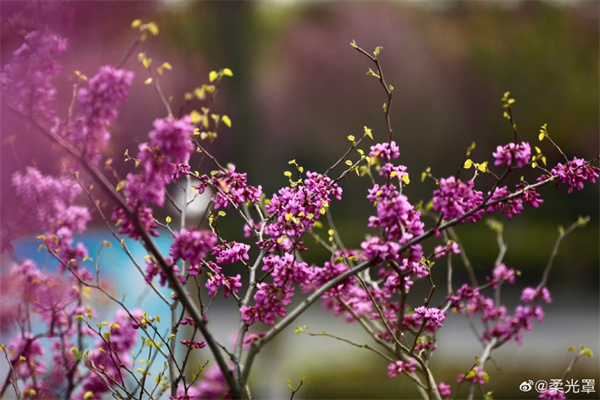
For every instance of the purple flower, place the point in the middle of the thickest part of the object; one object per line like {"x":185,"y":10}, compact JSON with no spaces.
{"x":173,"y":138}
{"x":270,"y":303}
{"x":129,"y":227}
{"x":192,"y":245}
{"x":390,"y":171}
{"x":105,"y":91}
{"x":519,"y":153}
{"x":194,"y":344}
{"x":476,"y":375}
{"x":27,"y":80}
{"x":441,"y":251}
{"x":530,"y":196}
{"x":212,"y":386}
{"x":228,"y":283}
{"x":25,"y":345}
{"x":51,"y":199}
{"x":285,"y":269}
{"x":386,"y":151}
{"x":444,"y":389}
{"x":401,"y":367}
{"x":575,"y":173}
{"x":510,"y":207}
{"x":431,"y":317}
{"x":98,"y":103}
{"x":231,"y":188}
{"x":530,"y":294}
{"x":454,"y":198}
{"x":231,"y":253}
{"x":297,"y":208}
{"x":502,"y":274}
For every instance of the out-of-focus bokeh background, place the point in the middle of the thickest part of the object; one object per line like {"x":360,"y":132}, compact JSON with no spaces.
{"x":299,"y":89}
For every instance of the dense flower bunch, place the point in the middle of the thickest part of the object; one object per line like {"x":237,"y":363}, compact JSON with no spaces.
{"x":231,"y":188}
{"x":52,"y":201}
{"x":295,"y":209}
{"x":494,"y":317}
{"x":28,"y":78}
{"x":575,"y":173}
{"x":42,"y":298}
{"x":192,"y":245}
{"x":162,"y":160}
{"x":512,"y":152}
{"x":272,"y":299}
{"x":398,"y":367}
{"x":98,"y":104}
{"x":455,"y":198}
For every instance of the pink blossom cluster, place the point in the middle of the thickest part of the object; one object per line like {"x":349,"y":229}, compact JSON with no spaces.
{"x":552,"y":394}
{"x":192,"y":245}
{"x":296,"y":208}
{"x":27,"y":356}
{"x":98,"y":102}
{"x":27,"y":79}
{"x":386,"y":151}
{"x":346,"y":294}
{"x":454,"y":198}
{"x":51,"y":201}
{"x":111,"y":354}
{"x":231,"y":253}
{"x":271,"y":299}
{"x":497,"y":322}
{"x":401,"y":367}
{"x":512,"y":152}
{"x":444,"y":389}
{"x":509,"y":207}
{"x":442,"y":251}
{"x":575,"y":173}
{"x":231,"y":188}
{"x":193,"y":344}
{"x":530,"y":196}
{"x":430,"y":318}
{"x":217,"y":279}
{"x":162,"y":160}
{"x":35,"y":296}
{"x":476,"y":375}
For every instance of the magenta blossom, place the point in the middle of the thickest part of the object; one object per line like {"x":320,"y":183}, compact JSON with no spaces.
{"x":98,"y":103}
{"x":476,"y":375}
{"x":512,"y":152}
{"x":444,"y":389}
{"x":173,"y":138}
{"x":401,"y":367}
{"x":575,"y":173}
{"x":454,"y":198}
{"x":386,"y":151}
{"x":27,"y":80}
{"x":231,"y":253}
{"x":192,"y":245}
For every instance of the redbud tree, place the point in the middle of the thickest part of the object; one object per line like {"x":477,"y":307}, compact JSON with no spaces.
{"x":60,"y":348}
